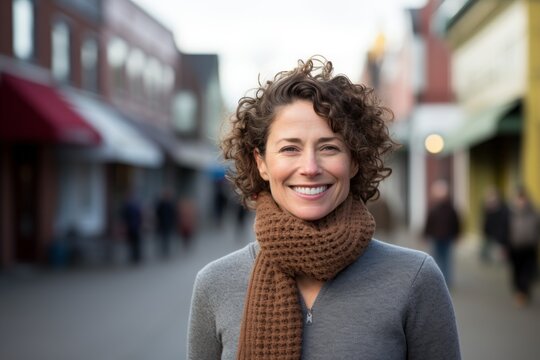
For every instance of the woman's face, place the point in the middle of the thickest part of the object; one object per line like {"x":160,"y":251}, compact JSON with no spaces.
{"x":307,"y":165}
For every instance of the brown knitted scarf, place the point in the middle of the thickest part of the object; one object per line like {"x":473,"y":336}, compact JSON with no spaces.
{"x":272,"y":320}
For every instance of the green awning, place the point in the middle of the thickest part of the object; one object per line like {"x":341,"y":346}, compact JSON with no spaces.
{"x":502,"y":119}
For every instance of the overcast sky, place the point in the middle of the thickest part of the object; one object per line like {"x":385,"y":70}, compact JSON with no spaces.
{"x":263,"y":37}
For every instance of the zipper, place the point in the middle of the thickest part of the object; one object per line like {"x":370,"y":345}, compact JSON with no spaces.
{"x":309,"y":311}
{"x":309,"y":317}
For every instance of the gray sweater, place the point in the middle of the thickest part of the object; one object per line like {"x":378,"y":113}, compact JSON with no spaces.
{"x":392,"y":303}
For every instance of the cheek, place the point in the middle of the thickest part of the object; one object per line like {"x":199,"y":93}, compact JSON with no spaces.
{"x":279,"y":170}
{"x":341,"y":170}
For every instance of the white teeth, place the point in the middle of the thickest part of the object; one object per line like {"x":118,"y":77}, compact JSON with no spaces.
{"x":310,"y":190}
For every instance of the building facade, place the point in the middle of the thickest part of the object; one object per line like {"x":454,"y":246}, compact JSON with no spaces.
{"x":88,"y":118}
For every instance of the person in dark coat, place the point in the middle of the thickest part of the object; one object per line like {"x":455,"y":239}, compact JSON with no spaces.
{"x":166,"y":218}
{"x":132,"y":218}
{"x":496,"y":223}
{"x":442,"y":227}
{"x":220,"y":201}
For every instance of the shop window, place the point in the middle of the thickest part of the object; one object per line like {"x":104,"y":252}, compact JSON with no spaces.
{"x":85,"y":197}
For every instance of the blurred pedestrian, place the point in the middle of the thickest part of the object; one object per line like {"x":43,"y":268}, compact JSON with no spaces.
{"x":308,"y":152}
{"x":187,"y":214}
{"x":496,"y":226}
{"x":241,"y":214}
{"x":166,"y":217}
{"x":220,"y":201}
{"x":132,"y":219}
{"x":384,"y":219}
{"x":442,"y":227}
{"x":524,"y":237}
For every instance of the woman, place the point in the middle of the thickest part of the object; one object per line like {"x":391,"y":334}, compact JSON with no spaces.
{"x":308,"y":151}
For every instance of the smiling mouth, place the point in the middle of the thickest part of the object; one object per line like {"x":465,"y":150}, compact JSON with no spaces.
{"x":310,"y":190}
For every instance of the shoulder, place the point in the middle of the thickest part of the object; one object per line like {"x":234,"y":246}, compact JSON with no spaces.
{"x":412,"y":271}
{"x":394,"y":266}
{"x":400,"y":257}
{"x":415,"y":269}
{"x":233,"y":267}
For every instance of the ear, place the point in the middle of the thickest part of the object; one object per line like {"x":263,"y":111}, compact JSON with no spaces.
{"x":261,"y":164}
{"x":354,"y":169}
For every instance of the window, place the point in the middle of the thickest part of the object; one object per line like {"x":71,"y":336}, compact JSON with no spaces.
{"x":185,"y":112}
{"x":117,"y":51}
{"x":167,"y":83}
{"x":152,"y":81}
{"x":89,"y":63}
{"x":23,"y":29}
{"x":134,"y":68}
{"x":61,"y":60}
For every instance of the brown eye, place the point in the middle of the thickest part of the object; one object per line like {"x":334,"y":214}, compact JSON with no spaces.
{"x":330,"y":148}
{"x":288,"y":149}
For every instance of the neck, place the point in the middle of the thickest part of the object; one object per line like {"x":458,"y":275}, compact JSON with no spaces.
{"x":309,"y":289}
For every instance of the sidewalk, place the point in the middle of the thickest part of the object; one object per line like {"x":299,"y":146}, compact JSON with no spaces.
{"x":106,"y":312}
{"x":490,"y":325}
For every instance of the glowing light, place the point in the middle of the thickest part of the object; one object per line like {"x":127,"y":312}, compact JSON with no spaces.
{"x":434,"y":143}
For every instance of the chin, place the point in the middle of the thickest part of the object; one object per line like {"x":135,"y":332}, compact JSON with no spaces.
{"x":311,"y":215}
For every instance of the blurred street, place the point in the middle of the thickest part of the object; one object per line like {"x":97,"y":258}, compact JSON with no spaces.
{"x":140,"y":312}
{"x":115,"y":312}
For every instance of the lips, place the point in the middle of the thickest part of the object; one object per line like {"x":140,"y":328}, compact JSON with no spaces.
{"x":310,"y":190}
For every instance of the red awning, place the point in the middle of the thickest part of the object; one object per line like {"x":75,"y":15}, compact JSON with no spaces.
{"x":33,"y":112}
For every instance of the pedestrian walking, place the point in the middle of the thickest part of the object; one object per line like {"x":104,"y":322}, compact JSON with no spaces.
{"x":442,"y":227}
{"x":220,"y":201}
{"x":308,"y":152}
{"x":240,"y":213}
{"x":132,"y":219}
{"x":166,"y":217}
{"x":186,"y":223}
{"x":496,"y":224}
{"x":524,"y":238}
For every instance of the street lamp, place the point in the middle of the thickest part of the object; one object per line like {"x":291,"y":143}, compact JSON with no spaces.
{"x":434,"y":143}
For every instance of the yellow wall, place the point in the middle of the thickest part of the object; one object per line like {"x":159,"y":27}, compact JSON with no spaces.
{"x":531,"y":131}
{"x":491,"y":164}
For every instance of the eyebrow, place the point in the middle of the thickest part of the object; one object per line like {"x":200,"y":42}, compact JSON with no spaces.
{"x":320,"y":140}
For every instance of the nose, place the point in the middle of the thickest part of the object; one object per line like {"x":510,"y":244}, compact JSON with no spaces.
{"x":310,"y":164}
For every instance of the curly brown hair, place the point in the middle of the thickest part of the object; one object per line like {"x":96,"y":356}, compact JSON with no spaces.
{"x":351,"y":110}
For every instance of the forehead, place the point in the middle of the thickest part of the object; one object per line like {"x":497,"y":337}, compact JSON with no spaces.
{"x":299,"y":118}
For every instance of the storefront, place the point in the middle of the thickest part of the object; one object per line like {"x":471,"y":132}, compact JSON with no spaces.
{"x":489,"y":64}
{"x":95,"y":181}
{"x":35,"y":121}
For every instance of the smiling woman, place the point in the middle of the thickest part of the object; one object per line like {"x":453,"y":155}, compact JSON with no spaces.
{"x":307,"y":167}
{"x":308,"y":150}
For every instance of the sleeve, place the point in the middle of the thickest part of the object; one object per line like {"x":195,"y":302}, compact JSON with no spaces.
{"x":202,"y":341}
{"x":430,"y":324}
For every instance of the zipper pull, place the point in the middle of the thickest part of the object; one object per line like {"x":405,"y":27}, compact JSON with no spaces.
{"x":309,"y":317}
